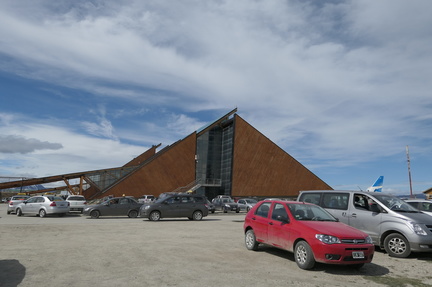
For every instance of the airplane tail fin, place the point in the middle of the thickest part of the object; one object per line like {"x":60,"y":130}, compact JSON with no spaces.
{"x":377,"y":186}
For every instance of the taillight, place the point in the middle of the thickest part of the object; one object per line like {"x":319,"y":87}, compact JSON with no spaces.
{"x":53,"y":204}
{"x":11,"y":203}
{"x":85,"y":202}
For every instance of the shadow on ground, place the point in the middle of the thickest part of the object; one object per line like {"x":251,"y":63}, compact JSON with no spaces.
{"x":12,"y":272}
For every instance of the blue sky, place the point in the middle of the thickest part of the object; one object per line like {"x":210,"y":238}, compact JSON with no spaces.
{"x":342,"y":86}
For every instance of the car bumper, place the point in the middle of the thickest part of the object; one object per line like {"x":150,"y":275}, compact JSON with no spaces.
{"x":344,"y":253}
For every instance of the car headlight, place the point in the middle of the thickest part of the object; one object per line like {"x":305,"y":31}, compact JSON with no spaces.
{"x":227,"y":205}
{"x":146,"y":207}
{"x":328,"y":239}
{"x":416,"y":228}
{"x":368,"y":240}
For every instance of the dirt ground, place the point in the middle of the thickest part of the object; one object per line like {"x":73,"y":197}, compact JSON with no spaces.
{"x":119,"y":251}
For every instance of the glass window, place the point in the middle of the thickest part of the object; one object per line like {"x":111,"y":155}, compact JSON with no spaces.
{"x":335,"y":200}
{"x":279,"y":212}
{"x":263,"y":209}
{"x":311,"y":198}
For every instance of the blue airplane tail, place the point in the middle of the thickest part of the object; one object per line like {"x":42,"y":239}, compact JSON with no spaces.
{"x":377,"y":186}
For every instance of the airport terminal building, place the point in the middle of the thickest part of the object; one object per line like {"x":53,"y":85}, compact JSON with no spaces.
{"x":226,"y":157}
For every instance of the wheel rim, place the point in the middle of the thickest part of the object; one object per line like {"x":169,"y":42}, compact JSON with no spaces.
{"x":133,"y":214}
{"x":301,"y":254}
{"x":41,"y":213}
{"x":197,"y":215}
{"x":397,"y":245}
{"x":155,"y":216}
{"x":250,"y":240}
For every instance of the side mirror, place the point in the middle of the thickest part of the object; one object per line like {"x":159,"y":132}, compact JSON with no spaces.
{"x":374,"y":208}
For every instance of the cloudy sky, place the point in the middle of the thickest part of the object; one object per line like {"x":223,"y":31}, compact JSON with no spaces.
{"x":342,"y":86}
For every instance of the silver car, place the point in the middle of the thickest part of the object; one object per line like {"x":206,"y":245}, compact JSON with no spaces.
{"x":43,"y":205}
{"x":14,"y":201}
{"x":77,"y":202}
{"x":246,"y":203}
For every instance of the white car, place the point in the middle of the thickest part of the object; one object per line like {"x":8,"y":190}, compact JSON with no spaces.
{"x":14,"y":201}
{"x":421,"y":204}
{"x":42,"y":206}
{"x":77,"y":202}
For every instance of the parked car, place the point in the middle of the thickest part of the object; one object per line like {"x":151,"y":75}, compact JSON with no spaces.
{"x":210,"y":206}
{"x":191,"y":206}
{"x":116,"y":206}
{"x":77,"y":202}
{"x":14,"y":201}
{"x":246,"y":203}
{"x":42,"y":206}
{"x":421,"y":204}
{"x":146,"y":198}
{"x":307,"y":230}
{"x":226,"y":204}
{"x":393,"y":224}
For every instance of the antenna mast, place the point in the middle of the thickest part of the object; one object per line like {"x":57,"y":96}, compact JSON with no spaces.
{"x":409,"y":172}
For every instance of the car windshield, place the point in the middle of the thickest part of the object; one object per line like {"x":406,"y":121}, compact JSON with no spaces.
{"x":76,"y":198}
{"x":251,"y":201}
{"x":20,"y":197}
{"x":307,"y":212}
{"x":395,"y":203}
{"x":227,"y":200}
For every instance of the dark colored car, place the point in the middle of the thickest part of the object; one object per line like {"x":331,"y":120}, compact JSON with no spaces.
{"x":226,"y":204}
{"x":307,"y":230}
{"x":191,"y":206}
{"x":117,"y":206}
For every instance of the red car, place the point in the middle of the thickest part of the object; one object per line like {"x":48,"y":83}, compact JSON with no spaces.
{"x":309,"y":231}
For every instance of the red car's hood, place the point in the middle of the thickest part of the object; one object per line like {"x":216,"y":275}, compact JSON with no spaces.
{"x":337,"y":229}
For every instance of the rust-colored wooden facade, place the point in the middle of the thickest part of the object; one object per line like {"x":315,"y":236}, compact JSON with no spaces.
{"x":261,"y":168}
{"x":169,"y":169}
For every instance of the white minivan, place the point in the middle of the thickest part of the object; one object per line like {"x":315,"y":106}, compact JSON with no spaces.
{"x":392,"y":223}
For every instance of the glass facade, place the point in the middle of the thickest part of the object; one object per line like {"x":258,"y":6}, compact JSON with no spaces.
{"x":214,"y":160}
{"x":106,"y":178}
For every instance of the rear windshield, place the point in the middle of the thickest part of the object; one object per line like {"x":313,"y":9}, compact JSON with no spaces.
{"x":55,"y":198}
{"x":80,"y":198}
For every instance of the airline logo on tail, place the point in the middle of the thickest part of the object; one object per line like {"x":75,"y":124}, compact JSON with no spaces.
{"x":377,"y":186}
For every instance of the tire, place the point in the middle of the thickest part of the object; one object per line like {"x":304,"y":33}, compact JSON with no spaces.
{"x":237,"y":211}
{"x":197,"y":215}
{"x":154,"y":216}
{"x":250,"y":240}
{"x":247,"y":209}
{"x":94,"y":214}
{"x":8,"y":212}
{"x":303,"y":255}
{"x":18,"y":212}
{"x":42,"y":213}
{"x":396,"y":245}
{"x":133,"y":214}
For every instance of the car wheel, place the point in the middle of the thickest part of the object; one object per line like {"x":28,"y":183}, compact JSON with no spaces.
{"x":42,"y":213}
{"x":237,"y":211}
{"x":247,"y":209}
{"x":18,"y":212}
{"x":396,"y":245}
{"x":8,"y":212}
{"x":95,"y":214}
{"x":250,"y":240}
{"x":133,"y":214}
{"x":197,"y":215}
{"x":154,"y":216}
{"x":303,"y":255}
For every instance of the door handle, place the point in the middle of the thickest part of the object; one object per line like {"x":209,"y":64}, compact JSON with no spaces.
{"x":271,"y":223}
{"x":353,"y":215}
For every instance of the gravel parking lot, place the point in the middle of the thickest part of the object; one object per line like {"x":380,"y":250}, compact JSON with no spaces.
{"x":119,"y":251}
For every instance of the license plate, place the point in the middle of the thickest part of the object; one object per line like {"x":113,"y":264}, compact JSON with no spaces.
{"x":358,"y":255}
